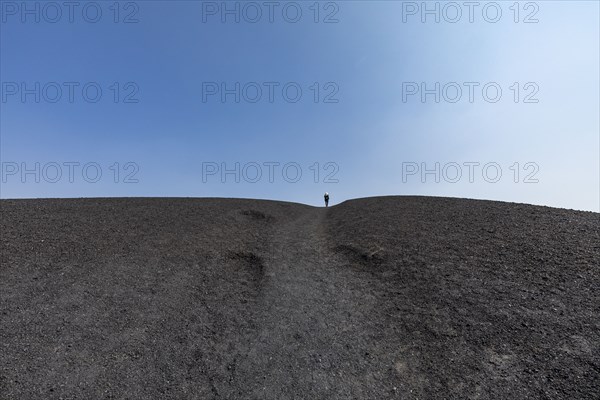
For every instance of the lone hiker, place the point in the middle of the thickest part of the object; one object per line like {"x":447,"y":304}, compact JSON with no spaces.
{"x":326,"y":197}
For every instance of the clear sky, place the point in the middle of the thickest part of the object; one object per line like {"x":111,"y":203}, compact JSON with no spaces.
{"x":265,"y":90}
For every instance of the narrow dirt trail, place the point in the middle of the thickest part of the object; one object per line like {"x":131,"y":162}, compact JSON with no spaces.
{"x":296,"y":263}
{"x":310,"y":316}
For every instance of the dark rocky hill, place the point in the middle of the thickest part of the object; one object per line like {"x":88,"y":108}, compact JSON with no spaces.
{"x":389,"y":297}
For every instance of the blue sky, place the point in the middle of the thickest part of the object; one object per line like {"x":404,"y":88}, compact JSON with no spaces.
{"x":355,"y":121}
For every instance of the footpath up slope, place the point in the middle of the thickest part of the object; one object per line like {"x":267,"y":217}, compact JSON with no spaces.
{"x":391,"y":297}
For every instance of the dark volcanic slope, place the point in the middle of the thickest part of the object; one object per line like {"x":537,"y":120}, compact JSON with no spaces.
{"x":393,"y":297}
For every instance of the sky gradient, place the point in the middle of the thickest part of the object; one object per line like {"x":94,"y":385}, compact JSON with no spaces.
{"x":190,"y":88}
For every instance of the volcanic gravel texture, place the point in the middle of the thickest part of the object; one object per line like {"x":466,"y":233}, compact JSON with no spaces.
{"x":389,"y":297}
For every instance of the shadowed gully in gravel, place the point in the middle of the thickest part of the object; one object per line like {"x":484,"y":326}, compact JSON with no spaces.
{"x":389,"y":297}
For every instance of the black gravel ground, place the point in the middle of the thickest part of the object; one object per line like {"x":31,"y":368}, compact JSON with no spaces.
{"x":389,"y":297}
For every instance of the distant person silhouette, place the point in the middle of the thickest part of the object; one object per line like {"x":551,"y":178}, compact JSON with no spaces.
{"x":326,"y":199}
